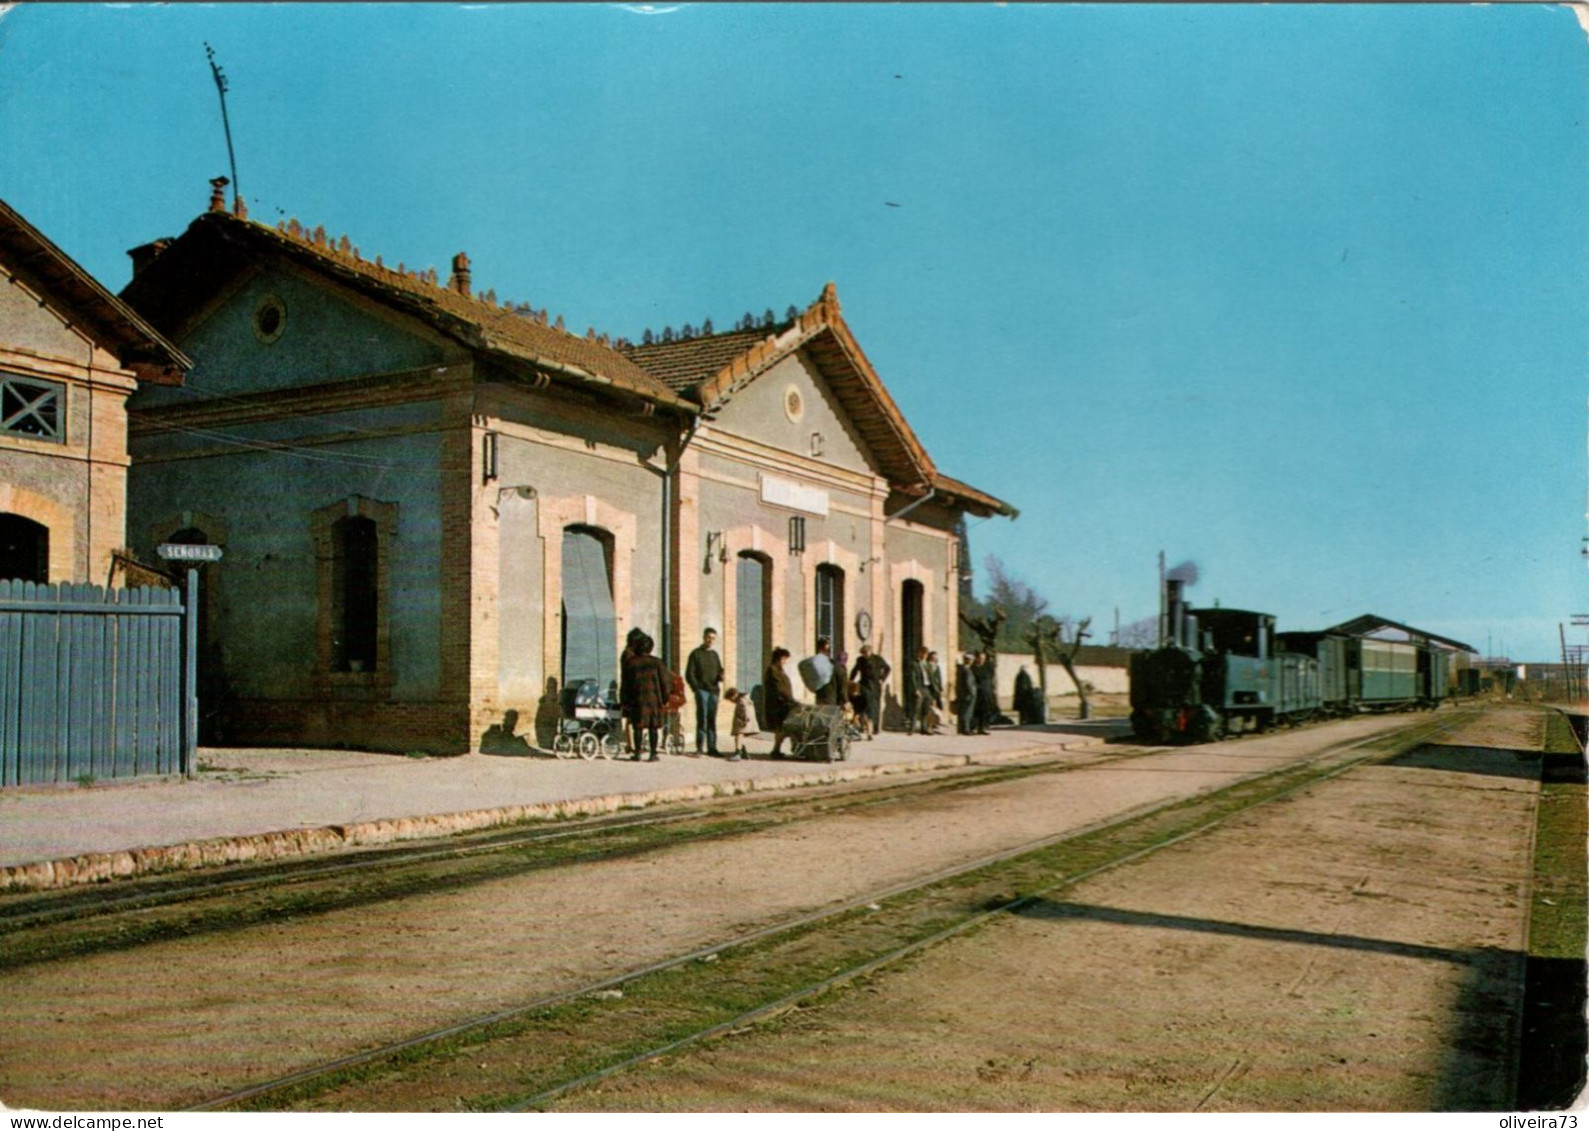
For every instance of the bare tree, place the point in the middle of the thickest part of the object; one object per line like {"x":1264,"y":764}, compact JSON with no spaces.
{"x":1068,"y":659}
{"x":1142,"y":633}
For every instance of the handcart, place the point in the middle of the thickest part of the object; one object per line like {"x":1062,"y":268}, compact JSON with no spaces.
{"x":820,"y":733}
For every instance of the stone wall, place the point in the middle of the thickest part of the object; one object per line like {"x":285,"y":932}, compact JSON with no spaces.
{"x":1105,"y":680}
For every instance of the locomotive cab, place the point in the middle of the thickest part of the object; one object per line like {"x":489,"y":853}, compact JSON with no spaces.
{"x":1218,"y":673}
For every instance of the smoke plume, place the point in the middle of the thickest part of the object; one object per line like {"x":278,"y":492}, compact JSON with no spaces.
{"x":1185,"y":572}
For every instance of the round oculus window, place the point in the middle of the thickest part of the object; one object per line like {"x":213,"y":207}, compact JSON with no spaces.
{"x":794,"y":405}
{"x":270,"y":319}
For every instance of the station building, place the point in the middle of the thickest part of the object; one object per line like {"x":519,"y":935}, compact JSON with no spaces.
{"x":70,"y":355}
{"x":437,"y":509}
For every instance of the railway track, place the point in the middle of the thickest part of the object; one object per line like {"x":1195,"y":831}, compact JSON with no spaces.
{"x":76,"y":921}
{"x":871,"y":932}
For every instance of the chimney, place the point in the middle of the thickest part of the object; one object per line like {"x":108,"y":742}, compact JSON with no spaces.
{"x":1175,"y":608}
{"x":145,"y":254}
{"x":218,"y":193}
{"x":460,"y":274}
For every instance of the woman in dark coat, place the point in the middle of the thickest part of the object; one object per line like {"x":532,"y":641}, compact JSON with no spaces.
{"x":626,"y":686}
{"x":652,"y":683}
{"x":777,"y":698}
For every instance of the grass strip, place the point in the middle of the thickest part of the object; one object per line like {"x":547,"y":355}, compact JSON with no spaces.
{"x":1551,"y":1061}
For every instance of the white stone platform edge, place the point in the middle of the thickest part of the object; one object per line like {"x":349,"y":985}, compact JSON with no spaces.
{"x":98,"y":867}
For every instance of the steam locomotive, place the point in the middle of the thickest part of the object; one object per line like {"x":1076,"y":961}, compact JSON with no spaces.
{"x":1227,"y":671}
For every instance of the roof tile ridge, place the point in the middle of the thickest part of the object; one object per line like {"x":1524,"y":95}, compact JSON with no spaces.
{"x":807,"y":323}
{"x":342,"y":248}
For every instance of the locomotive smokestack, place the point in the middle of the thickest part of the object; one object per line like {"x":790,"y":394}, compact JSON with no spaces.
{"x":1175,"y":610}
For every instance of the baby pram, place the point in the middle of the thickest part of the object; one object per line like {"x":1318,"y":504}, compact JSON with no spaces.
{"x":590,"y":723}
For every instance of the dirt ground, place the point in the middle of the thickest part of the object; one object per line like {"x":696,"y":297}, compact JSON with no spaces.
{"x":1355,"y":948}
{"x":170,"y":1023}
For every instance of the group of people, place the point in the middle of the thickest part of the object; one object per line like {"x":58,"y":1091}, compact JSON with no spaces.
{"x":650,"y":695}
{"x":976,"y":702}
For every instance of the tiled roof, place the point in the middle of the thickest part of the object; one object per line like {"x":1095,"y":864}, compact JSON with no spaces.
{"x":967,"y":494}
{"x":115,"y":324}
{"x":711,"y":368}
{"x":684,"y":365}
{"x":476,"y":322}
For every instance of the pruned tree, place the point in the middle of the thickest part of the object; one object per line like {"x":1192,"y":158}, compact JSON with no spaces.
{"x":1044,"y":634}
{"x":1020,"y":603}
{"x":1067,"y":657}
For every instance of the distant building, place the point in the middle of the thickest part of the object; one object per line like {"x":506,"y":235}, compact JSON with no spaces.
{"x":70,"y":355}
{"x":438,"y":509}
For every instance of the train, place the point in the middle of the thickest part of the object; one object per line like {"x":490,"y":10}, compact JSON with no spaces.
{"x":1224,"y":672}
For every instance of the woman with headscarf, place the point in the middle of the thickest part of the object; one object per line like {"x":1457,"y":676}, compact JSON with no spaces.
{"x":777,"y":698}
{"x":653,"y":683}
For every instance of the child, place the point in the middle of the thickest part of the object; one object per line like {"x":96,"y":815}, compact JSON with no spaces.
{"x":742,"y":724}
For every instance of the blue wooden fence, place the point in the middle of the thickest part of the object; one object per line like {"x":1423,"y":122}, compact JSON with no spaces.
{"x":90,"y":682}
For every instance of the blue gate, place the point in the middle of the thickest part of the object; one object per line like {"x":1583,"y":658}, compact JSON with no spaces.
{"x":91,"y":683}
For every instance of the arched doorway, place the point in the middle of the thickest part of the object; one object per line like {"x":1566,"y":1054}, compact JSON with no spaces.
{"x":590,"y":621}
{"x":355,"y":594}
{"x":911,"y":636}
{"x":752,"y":623}
{"x":24,"y":549}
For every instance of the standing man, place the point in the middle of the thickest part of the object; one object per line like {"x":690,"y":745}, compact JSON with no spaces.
{"x":935,"y":685}
{"x":870,"y":672}
{"x":918,"y":691}
{"x":704,"y":673}
{"x":965,"y":700}
{"x":821,"y":677}
{"x":987,"y":691}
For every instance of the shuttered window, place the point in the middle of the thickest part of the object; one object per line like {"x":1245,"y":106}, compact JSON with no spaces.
{"x":590,"y":632}
{"x":32,"y":408}
{"x":830,"y":605}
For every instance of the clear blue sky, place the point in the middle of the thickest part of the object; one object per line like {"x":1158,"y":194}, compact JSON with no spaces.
{"x":1296,"y":292}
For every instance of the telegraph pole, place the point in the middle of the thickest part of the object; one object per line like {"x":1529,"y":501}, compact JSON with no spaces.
{"x":226,"y":123}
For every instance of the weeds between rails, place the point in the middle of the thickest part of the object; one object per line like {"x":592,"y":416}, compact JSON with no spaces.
{"x":565,"y":1041}
{"x":137,"y":912}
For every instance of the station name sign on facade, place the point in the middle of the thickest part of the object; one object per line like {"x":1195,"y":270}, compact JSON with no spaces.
{"x":795,"y":496}
{"x":183,"y":552}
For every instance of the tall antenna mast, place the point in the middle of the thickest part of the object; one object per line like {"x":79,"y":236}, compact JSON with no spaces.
{"x":220,"y":85}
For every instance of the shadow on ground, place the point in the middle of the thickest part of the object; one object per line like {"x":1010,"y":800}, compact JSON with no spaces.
{"x":1477,"y":1071}
{"x":1491,"y":761}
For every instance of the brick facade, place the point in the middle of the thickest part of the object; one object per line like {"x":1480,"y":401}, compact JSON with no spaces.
{"x":474,"y":438}
{"x":62,"y":331}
